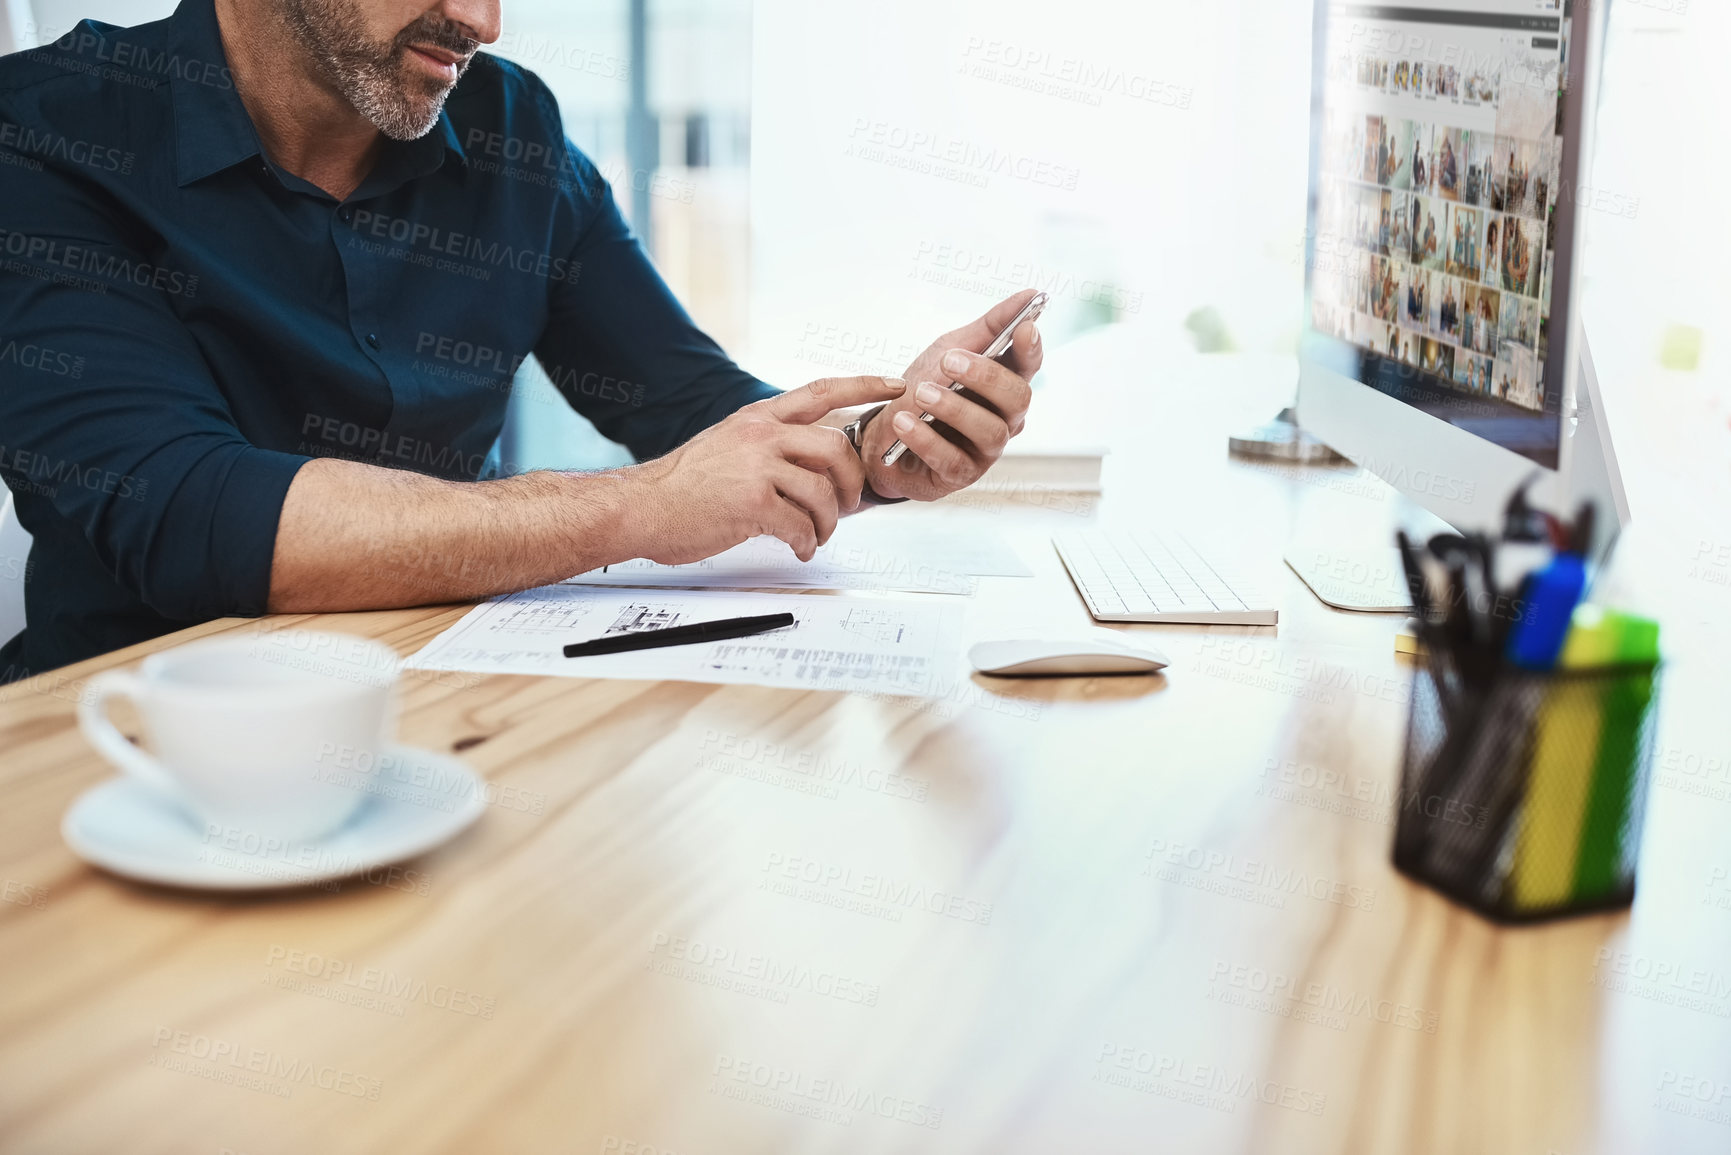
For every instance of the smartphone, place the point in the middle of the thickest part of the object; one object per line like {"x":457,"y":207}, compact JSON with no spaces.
{"x":996,"y":350}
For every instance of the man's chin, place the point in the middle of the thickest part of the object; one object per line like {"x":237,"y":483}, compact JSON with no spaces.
{"x":400,"y":125}
{"x":415,"y":111}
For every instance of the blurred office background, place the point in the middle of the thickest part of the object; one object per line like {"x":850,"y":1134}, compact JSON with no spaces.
{"x":829,"y":187}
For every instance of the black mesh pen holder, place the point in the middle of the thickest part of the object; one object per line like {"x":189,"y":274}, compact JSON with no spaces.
{"x":1522,"y":792}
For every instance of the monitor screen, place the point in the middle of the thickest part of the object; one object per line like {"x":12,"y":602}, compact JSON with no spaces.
{"x":1441,"y":218}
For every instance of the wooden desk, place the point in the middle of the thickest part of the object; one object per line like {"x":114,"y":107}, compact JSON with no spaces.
{"x":1028,"y":917}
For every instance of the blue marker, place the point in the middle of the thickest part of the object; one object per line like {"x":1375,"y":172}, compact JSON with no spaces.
{"x":1550,"y":596}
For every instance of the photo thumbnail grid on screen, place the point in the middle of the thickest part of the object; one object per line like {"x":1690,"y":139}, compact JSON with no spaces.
{"x":1437,"y":191}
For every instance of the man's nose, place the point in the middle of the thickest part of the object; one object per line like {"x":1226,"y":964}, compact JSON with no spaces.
{"x":482,"y":19}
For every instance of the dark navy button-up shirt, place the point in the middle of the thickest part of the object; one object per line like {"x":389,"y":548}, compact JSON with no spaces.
{"x":183,"y":324}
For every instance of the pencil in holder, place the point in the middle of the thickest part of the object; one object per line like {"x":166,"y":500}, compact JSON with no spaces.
{"x":1522,"y":794}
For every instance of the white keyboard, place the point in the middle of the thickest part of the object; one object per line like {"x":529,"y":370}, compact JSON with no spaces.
{"x":1142,"y":576}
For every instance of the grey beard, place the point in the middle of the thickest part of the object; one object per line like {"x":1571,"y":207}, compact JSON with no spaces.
{"x":371,"y":76}
{"x":399,"y":114}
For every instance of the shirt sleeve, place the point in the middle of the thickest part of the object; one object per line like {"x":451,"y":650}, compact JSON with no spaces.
{"x":110,"y":416}
{"x":620,"y":347}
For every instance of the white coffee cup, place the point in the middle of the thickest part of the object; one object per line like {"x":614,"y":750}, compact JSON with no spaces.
{"x":245,"y":733}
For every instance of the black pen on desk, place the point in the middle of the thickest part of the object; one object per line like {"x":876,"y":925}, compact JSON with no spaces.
{"x":680,"y":635}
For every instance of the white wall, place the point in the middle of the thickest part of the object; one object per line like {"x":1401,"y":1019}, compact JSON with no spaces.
{"x":1180,"y":208}
{"x":1664,"y":263}
{"x":17,"y":26}
{"x":1175,"y":135}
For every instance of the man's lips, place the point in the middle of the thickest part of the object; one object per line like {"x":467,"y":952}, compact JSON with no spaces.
{"x":441,"y":61}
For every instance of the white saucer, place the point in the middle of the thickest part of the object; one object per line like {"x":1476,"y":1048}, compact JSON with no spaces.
{"x":124,"y":826}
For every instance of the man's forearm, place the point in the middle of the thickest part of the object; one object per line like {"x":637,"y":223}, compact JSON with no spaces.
{"x":360,"y":537}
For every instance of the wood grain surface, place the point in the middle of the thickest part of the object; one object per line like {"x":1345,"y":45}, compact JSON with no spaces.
{"x":1091,"y":915}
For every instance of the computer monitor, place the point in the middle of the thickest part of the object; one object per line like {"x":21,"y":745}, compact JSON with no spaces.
{"x":1442,"y":345}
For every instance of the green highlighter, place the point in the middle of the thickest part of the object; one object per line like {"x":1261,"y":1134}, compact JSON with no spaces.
{"x":1569,"y":845}
{"x":1599,"y":866}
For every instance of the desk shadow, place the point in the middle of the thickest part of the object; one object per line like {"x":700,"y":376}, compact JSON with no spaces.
{"x":405,"y":876}
{"x":1050,"y":688}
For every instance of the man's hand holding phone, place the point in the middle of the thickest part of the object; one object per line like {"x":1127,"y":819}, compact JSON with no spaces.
{"x":773,"y":468}
{"x":971,"y":426}
{"x":769,"y":469}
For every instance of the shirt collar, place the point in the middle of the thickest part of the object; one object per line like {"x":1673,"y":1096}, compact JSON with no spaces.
{"x":446,"y":132}
{"x":427,"y":152}
{"x":401,"y":161}
{"x":213,"y":131}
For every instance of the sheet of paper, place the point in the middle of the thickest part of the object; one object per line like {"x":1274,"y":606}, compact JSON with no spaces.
{"x":842,"y":642}
{"x":866,"y":553}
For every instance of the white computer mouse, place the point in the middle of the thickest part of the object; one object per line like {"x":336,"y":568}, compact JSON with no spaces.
{"x":1082,"y":653}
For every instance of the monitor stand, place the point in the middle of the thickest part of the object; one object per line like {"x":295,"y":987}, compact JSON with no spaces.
{"x":1282,"y":440}
{"x":1342,"y":544}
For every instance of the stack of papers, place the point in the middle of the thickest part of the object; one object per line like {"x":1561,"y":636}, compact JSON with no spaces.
{"x":848,"y":642}
{"x":1028,"y":470}
{"x":844,"y":641}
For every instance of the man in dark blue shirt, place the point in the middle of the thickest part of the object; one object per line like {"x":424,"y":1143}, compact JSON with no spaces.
{"x":267,"y":269}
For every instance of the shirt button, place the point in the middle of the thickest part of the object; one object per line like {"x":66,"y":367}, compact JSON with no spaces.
{"x":373,"y":341}
{"x":345,"y":214}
